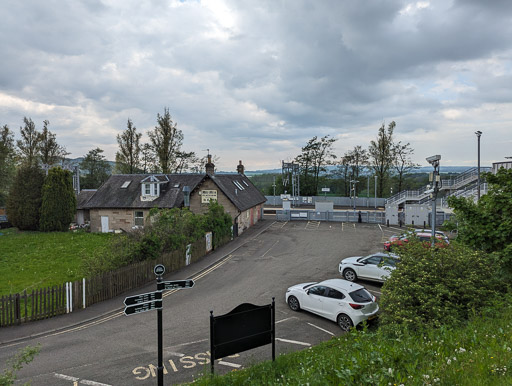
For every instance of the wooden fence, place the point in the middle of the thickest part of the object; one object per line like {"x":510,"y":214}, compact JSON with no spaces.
{"x":48,"y":302}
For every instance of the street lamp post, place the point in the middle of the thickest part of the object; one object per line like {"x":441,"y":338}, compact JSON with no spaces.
{"x":375,"y":202}
{"x":434,"y":161}
{"x":354,"y":182}
{"x":478,"y":134}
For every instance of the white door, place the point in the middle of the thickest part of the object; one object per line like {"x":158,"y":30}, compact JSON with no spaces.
{"x":104,"y":224}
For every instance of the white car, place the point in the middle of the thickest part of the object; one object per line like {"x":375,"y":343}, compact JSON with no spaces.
{"x":341,"y":301}
{"x":376,"y":267}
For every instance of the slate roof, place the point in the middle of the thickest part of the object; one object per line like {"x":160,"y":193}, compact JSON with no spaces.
{"x":84,"y":196}
{"x":237,"y":187}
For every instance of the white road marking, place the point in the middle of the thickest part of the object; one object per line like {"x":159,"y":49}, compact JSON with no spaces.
{"x":75,"y":380}
{"x":284,"y":320}
{"x":66,"y":377}
{"x":321,"y":329}
{"x":377,"y":292}
{"x":229,"y":364}
{"x":86,"y":382}
{"x":293,"y":341}
{"x":186,"y":344}
{"x":177,"y":354}
{"x":380,"y":228}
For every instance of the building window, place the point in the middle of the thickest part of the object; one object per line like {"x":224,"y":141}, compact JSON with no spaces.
{"x":139,"y":219}
{"x":147,"y":189}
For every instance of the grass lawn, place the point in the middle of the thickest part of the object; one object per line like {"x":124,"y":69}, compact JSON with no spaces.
{"x":31,"y":260}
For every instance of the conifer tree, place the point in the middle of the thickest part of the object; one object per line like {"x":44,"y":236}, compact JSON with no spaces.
{"x":58,"y":201}
{"x":24,"y":200}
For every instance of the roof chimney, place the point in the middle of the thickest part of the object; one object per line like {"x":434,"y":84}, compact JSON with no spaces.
{"x":210,"y":167}
{"x":240,"y":168}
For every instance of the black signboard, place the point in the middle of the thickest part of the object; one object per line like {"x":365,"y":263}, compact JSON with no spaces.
{"x":138,"y":308}
{"x":175,"y":284}
{"x":142,"y":298}
{"x":246,"y":327}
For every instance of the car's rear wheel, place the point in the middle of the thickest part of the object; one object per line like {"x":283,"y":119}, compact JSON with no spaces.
{"x":344,"y":322}
{"x":293,"y":303}
{"x":349,"y":274}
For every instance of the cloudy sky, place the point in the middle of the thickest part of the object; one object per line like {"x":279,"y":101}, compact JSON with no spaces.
{"x":255,"y":80}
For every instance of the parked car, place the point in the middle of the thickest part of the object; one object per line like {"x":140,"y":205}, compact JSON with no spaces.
{"x":376,"y":267}
{"x":341,"y":301}
{"x":4,"y":221}
{"x":425,"y":238}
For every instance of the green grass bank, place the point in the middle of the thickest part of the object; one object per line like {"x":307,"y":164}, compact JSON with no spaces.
{"x":477,"y":353}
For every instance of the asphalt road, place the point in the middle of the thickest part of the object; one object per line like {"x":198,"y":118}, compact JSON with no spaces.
{"x":122,"y":350}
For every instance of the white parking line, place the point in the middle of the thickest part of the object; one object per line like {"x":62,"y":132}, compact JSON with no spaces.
{"x":75,"y":380}
{"x":186,"y":344}
{"x":284,"y":320}
{"x":92,"y":383}
{"x":293,"y":341}
{"x":66,"y":377}
{"x":177,"y":354}
{"x":321,"y":329}
{"x":229,"y":364}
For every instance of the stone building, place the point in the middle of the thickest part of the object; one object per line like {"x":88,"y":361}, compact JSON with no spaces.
{"x":123,"y":202}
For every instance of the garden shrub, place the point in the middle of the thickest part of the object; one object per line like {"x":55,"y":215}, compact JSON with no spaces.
{"x":443,"y":286}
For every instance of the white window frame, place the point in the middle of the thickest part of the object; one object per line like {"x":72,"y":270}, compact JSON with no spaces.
{"x":136,"y":219}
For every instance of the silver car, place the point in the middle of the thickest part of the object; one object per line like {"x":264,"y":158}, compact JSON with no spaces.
{"x":375,"y":267}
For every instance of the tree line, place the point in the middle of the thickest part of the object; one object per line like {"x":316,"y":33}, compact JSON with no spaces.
{"x":37,"y":189}
{"x":388,"y":159}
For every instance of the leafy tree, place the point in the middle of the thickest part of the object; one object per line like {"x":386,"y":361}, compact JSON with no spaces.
{"x":24,"y":200}
{"x":148,"y":160}
{"x":23,"y":356}
{"x":49,"y":150}
{"x":439,"y":287}
{"x":185,"y":161}
{"x":128,"y":156}
{"x":7,"y":161}
{"x":342,"y":172}
{"x":487,"y":224}
{"x":28,"y":145}
{"x":402,"y":161}
{"x":381,"y":155}
{"x":58,"y":201}
{"x":357,"y":159}
{"x":314,"y":157}
{"x":218,"y":222}
{"x":166,"y":140}
{"x":96,"y":167}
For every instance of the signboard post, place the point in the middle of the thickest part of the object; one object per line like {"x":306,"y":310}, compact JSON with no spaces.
{"x":153,"y":301}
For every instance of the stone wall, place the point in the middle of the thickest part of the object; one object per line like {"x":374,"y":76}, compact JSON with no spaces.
{"x":117,"y":218}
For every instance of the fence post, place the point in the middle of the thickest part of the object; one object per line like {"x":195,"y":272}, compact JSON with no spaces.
{"x":83,"y":291}
{"x":67,"y":297}
{"x":17,"y":309}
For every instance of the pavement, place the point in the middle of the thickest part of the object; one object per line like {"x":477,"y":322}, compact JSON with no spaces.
{"x":31,"y":330}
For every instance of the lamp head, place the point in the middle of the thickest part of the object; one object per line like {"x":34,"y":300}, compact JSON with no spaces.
{"x":433,"y":160}
{"x":478,"y":133}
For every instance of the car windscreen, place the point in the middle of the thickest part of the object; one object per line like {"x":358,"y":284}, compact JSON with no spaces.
{"x":361,"y":296}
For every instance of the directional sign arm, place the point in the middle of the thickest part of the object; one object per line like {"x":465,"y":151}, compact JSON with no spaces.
{"x":175,"y":284}
{"x":143,"y":298}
